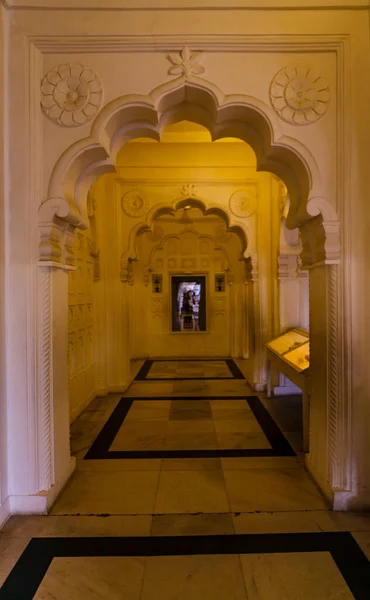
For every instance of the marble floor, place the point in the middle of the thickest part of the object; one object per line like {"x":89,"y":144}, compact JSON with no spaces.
{"x":189,"y":369}
{"x":188,"y":489}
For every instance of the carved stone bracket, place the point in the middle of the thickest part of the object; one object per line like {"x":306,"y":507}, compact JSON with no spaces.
{"x":250,"y":269}
{"x":320,"y":242}
{"x":57,"y":224}
{"x":127,"y":271}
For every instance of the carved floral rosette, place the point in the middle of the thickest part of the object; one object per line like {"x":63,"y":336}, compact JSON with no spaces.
{"x":134,"y":203}
{"x":299,"y":95}
{"x":243,"y":202}
{"x":71,"y":95}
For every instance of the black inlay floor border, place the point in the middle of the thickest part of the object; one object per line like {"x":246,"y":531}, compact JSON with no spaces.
{"x":143,"y":372}
{"x":100,"y":448}
{"x":28,"y":573}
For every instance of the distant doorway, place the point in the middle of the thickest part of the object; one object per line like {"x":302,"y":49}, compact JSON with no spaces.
{"x":188,"y":301}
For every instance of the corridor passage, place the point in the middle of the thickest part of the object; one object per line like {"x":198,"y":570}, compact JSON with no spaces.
{"x":190,"y":486}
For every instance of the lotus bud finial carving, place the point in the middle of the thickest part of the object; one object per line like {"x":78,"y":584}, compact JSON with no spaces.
{"x":189,"y":189}
{"x":185,"y":63}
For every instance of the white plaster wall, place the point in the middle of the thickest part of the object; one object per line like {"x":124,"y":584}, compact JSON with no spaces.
{"x":337,"y":150}
{"x":4,"y":503}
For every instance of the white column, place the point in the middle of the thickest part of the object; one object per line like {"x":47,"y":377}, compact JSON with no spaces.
{"x":55,"y":462}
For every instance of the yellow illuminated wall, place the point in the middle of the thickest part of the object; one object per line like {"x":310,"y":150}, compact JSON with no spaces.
{"x":186,"y":163}
{"x":81,"y":352}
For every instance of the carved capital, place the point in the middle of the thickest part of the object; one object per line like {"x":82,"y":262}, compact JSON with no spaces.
{"x":251,"y":269}
{"x":57,"y":223}
{"x":127,"y":271}
{"x":51,"y":242}
{"x":320,"y":242}
{"x":69,"y":241}
{"x":332,"y":242}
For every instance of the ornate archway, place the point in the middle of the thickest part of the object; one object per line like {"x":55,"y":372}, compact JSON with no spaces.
{"x":244,"y":117}
{"x":194,"y":99}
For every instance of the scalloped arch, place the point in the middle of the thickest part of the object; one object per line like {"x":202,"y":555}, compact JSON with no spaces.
{"x":198,"y":100}
{"x":232,"y":224}
{"x":177,"y":236}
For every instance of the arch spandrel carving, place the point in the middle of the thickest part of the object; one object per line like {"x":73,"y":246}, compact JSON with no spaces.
{"x":197,"y":236}
{"x":240,"y":116}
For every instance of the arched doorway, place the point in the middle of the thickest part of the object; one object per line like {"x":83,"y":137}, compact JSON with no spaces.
{"x":190,"y":98}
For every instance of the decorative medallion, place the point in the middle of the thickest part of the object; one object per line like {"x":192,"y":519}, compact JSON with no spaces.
{"x":299,"y":95}
{"x":243,"y":202}
{"x":71,"y":95}
{"x":185,"y":63}
{"x":134,"y":204}
{"x":189,"y":189}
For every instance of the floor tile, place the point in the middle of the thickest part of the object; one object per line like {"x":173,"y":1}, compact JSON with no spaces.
{"x":286,"y":410}
{"x":190,"y":387}
{"x":77,"y":526}
{"x":191,"y":464}
{"x":231,"y":413}
{"x":293,"y":576}
{"x":295,"y":439}
{"x":141,"y":435}
{"x":119,"y":492}
{"x":204,"y":524}
{"x":363,"y":540}
{"x":193,"y":577}
{"x":269,"y":490}
{"x":10,"y":550}
{"x":190,"y":414}
{"x":250,"y":426}
{"x":191,"y":492}
{"x":82,"y":436}
{"x":276,"y":522}
{"x":152,"y":388}
{"x":194,"y":427}
{"x":231,"y":405}
{"x":120,"y":464}
{"x":242,"y":440}
{"x":93,"y":578}
{"x":147,"y":414}
{"x":188,"y":441}
{"x":262,"y":462}
{"x":99,"y":409}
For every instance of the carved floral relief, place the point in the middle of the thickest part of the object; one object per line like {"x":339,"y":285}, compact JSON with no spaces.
{"x":243,"y":202}
{"x":71,"y":95}
{"x":299,"y":95}
{"x":134,"y":203}
{"x":185,"y":63}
